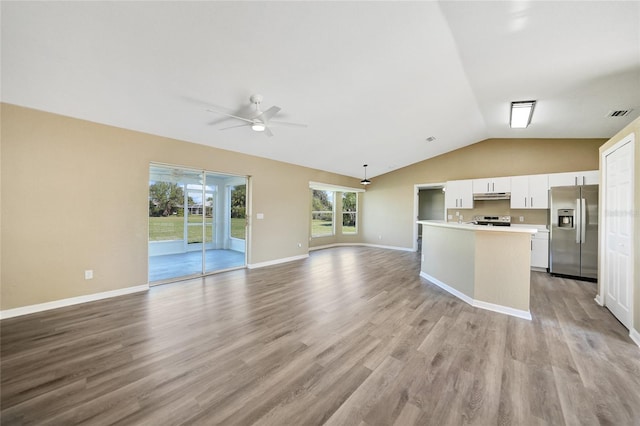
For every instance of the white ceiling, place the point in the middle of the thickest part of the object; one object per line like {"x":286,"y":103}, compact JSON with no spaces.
{"x":372,"y":80}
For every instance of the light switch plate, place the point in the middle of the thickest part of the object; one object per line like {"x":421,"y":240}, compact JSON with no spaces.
{"x":260,"y":216}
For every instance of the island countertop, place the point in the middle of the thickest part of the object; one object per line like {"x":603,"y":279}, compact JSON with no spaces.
{"x":473,"y":227}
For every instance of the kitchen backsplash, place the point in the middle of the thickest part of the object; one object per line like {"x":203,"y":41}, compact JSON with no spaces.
{"x":502,"y":208}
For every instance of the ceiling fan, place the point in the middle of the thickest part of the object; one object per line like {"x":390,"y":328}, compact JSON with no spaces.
{"x":261,"y":121}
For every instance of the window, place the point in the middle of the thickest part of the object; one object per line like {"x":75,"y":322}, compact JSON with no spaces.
{"x":349,"y":212}
{"x":322,"y":213}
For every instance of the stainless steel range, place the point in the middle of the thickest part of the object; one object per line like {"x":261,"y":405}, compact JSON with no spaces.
{"x":492,"y":220}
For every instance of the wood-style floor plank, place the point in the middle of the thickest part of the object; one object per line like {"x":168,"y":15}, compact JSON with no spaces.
{"x":349,"y":336}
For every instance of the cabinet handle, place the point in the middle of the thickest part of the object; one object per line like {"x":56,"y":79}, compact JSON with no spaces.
{"x":531,"y":204}
{"x":525,"y":201}
{"x":576,"y":180}
{"x":487,"y":186}
{"x":584,"y":180}
{"x":493,"y":187}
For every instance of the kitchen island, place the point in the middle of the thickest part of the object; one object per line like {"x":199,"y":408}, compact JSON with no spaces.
{"x":486,"y":266}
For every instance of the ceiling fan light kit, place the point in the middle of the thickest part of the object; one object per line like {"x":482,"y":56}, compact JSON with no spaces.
{"x":261,"y":121}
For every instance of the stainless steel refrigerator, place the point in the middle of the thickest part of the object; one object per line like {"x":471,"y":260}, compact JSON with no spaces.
{"x":573,"y":237}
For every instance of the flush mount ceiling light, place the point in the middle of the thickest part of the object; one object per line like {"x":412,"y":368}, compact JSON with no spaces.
{"x":365,"y":181}
{"x":521,"y":112}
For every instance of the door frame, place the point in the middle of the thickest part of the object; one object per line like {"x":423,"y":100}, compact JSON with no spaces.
{"x":416,"y":206}
{"x":601,"y":296}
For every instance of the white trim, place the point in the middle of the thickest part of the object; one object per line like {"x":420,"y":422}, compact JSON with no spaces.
{"x":326,"y":246}
{"x":602,"y":237}
{"x":25,"y":310}
{"x":276,"y":261}
{"x":447,"y":288}
{"x":502,"y":309}
{"x":477,"y":303}
{"x":635,"y":336}
{"x":330,"y":187}
{"x":416,"y":207}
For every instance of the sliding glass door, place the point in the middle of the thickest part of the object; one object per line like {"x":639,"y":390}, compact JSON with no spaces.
{"x":197,"y":222}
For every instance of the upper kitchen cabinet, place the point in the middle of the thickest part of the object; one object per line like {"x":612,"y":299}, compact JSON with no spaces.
{"x":591,"y":177}
{"x":459,"y":194}
{"x":530,"y":192}
{"x":491,"y":185}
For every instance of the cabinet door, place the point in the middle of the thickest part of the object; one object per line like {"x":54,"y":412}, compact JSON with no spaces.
{"x":538,"y":192}
{"x":465,"y":193}
{"x":451,"y":198}
{"x":591,"y":177}
{"x":539,"y":253}
{"x":519,"y":192}
{"x":502,"y":184}
{"x":562,"y":179}
{"x":482,"y":186}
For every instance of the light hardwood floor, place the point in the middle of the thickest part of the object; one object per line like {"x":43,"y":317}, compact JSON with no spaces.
{"x":350,"y":336}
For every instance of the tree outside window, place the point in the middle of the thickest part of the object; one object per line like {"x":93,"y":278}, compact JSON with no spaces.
{"x":322,"y":213}
{"x":349,"y":212}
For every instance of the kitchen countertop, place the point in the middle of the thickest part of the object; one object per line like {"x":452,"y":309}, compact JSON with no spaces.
{"x":531,"y":229}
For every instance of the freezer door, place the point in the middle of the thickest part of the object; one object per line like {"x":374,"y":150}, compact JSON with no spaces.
{"x":564,"y":241}
{"x":589,"y":232}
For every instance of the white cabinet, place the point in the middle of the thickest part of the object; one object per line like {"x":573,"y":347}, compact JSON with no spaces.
{"x":491,"y":185}
{"x":530,"y":192}
{"x":540,"y":250}
{"x":459,"y":194}
{"x":591,"y":177}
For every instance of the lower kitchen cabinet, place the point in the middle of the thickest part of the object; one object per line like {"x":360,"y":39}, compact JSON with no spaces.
{"x":540,"y":250}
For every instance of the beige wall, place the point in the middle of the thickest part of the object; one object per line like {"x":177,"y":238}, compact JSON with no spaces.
{"x":388,"y":203}
{"x":634,"y":127}
{"x":74,"y":197}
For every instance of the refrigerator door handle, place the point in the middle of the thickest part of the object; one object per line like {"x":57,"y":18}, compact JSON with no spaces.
{"x":583,"y":220}
{"x":578,"y":226}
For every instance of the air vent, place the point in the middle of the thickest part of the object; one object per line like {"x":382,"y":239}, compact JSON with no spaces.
{"x":619,"y":113}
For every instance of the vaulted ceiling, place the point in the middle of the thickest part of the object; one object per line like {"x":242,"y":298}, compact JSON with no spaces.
{"x":373,"y":80}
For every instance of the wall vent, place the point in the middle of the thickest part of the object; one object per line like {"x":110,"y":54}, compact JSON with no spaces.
{"x":619,"y":113}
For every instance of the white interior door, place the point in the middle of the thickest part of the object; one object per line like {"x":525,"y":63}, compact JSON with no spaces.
{"x":618,"y":222}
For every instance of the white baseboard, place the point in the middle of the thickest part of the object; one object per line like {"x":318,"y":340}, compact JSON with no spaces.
{"x":502,"y":309}
{"x":478,"y":303}
{"x":635,"y":336}
{"x":31,"y":309}
{"x":599,"y":300}
{"x":276,"y":261}
{"x":326,"y":246}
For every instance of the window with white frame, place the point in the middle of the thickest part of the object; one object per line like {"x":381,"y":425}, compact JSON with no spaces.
{"x":349,"y":213}
{"x":322,"y":213}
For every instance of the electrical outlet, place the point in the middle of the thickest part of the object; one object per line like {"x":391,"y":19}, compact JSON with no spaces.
{"x":379,"y":237}
{"x":449,"y":217}
{"x":521,"y":218}
{"x":299,"y":245}
{"x":88,"y":274}
{"x":457,"y":213}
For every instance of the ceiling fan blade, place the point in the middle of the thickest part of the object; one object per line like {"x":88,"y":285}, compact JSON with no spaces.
{"x":286,"y":123}
{"x":234,"y":127}
{"x":266,"y":115}
{"x":230,"y":115}
{"x":268,"y":132}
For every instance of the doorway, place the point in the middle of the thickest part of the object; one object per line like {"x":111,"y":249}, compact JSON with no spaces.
{"x":197,"y":223}
{"x":616,"y":250}
{"x":428,"y":205}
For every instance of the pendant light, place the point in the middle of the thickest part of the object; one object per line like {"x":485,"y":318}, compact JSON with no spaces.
{"x":365,"y":181}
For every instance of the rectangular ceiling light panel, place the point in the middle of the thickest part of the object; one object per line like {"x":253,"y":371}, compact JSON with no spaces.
{"x":521,"y":113}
